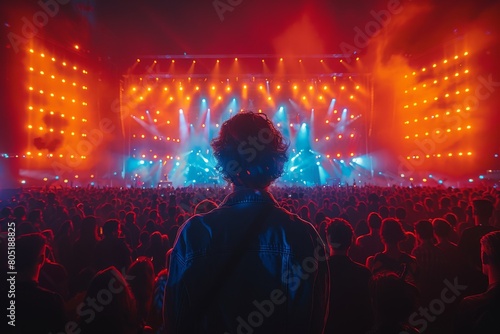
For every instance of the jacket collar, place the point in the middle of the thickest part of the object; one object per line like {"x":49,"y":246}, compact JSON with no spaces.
{"x":247,"y":195}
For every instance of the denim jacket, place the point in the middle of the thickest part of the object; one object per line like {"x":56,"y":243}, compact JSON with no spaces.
{"x":247,"y":266}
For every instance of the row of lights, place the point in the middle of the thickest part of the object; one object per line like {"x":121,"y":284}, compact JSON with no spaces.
{"x":416,"y":135}
{"x":436,"y":81}
{"x":30,"y":154}
{"x":143,"y":136}
{"x":435,"y":65}
{"x":41,"y":91}
{"x":340,"y":136}
{"x":171,"y":157}
{"x":445,"y":95}
{"x":63,"y":63}
{"x":436,"y":116}
{"x":229,"y":88}
{"x":439,"y":155}
{"x":53,"y":77}
{"x":155,"y":156}
{"x":281,"y":59}
{"x":268,"y":98}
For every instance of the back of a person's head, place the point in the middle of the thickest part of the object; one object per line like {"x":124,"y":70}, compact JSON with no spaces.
{"x":384,"y":211}
{"x":144,"y":237}
{"x":319,"y":217}
{"x":429,"y":203}
{"x":444,"y":202}
{"x":400,"y":213}
{"x":110,"y":228}
{"x":153,"y":214}
{"x":29,"y":248}
{"x":141,"y":276}
{"x":250,"y":151}
{"x":339,"y":234}
{"x":6,"y":212}
{"x":374,"y":220}
{"x":451,"y":218}
{"x":130,"y":217}
{"x":19,"y":212}
{"x":204,"y":206}
{"x":119,"y":315}
{"x":304,"y":211}
{"x":361,"y":228}
{"x":442,"y":228}
{"x":482,"y":208}
{"x":391,"y":231}
{"x":335,"y":210}
{"x":65,"y":229}
{"x":373,"y":198}
{"x":362,"y":207}
{"x":155,"y":240}
{"x":424,"y":229}
{"x":491,"y":248}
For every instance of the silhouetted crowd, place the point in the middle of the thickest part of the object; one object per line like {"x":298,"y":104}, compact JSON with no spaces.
{"x":402,"y":260}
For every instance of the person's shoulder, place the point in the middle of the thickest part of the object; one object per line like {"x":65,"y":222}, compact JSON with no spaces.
{"x":471,"y":303}
{"x":362,"y":239}
{"x":360,"y":269}
{"x":192,"y":231}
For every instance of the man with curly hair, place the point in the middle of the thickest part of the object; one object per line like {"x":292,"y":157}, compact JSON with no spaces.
{"x":248,"y":265}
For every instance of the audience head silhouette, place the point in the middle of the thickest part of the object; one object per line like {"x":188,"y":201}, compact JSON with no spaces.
{"x":250,"y":151}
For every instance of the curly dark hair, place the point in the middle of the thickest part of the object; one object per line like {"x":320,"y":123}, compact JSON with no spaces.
{"x":250,"y":151}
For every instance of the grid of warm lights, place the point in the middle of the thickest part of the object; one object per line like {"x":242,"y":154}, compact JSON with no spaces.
{"x":434,"y":98}
{"x":58,"y":105}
